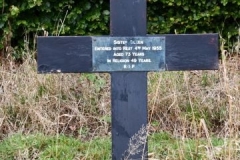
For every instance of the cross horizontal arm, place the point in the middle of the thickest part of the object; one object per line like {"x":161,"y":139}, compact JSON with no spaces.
{"x":73,"y":54}
{"x":70,"y":54}
{"x":192,"y":52}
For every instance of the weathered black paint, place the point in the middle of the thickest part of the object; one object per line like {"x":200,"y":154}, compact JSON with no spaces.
{"x":74,"y":54}
{"x":64,"y":54}
{"x":192,"y":52}
{"x":129,"y":89}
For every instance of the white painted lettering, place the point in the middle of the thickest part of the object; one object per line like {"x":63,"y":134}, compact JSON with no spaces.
{"x":138,"y":54}
{"x":128,"y":54}
{"x":144,"y":60}
{"x":156,"y":48}
{"x":128,"y":66}
{"x":145,"y":48}
{"x":117,"y":48}
{"x":119,"y":42}
{"x":127,"y":48}
{"x":118,"y":54}
{"x":103,"y":48}
{"x":136,"y":42}
{"x":120,"y":60}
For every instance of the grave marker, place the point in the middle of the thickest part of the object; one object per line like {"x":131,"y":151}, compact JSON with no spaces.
{"x":127,"y":54}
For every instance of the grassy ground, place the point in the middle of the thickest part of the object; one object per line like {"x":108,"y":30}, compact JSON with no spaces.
{"x":192,"y":115}
{"x":61,"y":147}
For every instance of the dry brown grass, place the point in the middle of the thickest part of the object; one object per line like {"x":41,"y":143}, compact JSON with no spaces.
{"x":51,"y":104}
{"x":187,"y":104}
{"x":180,"y":99}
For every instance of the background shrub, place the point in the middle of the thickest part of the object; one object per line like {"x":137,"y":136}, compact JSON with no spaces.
{"x":22,"y":20}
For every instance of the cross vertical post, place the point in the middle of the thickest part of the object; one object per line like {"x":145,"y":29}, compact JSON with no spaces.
{"x":128,"y":89}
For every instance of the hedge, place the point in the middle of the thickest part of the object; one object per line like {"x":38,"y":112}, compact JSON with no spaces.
{"x":22,"y":20}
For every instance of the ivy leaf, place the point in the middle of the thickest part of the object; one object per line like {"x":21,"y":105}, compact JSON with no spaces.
{"x":87,"y":6}
{"x":14,"y":11}
{"x":1,"y":25}
{"x":106,"y":12}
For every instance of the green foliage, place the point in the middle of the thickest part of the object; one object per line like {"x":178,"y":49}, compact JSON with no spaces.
{"x":53,"y":147}
{"x":167,"y":147}
{"x":169,"y":16}
{"x":60,"y":147}
{"x":19,"y":19}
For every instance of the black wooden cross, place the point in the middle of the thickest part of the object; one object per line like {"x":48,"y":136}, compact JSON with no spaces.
{"x":127,"y":54}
